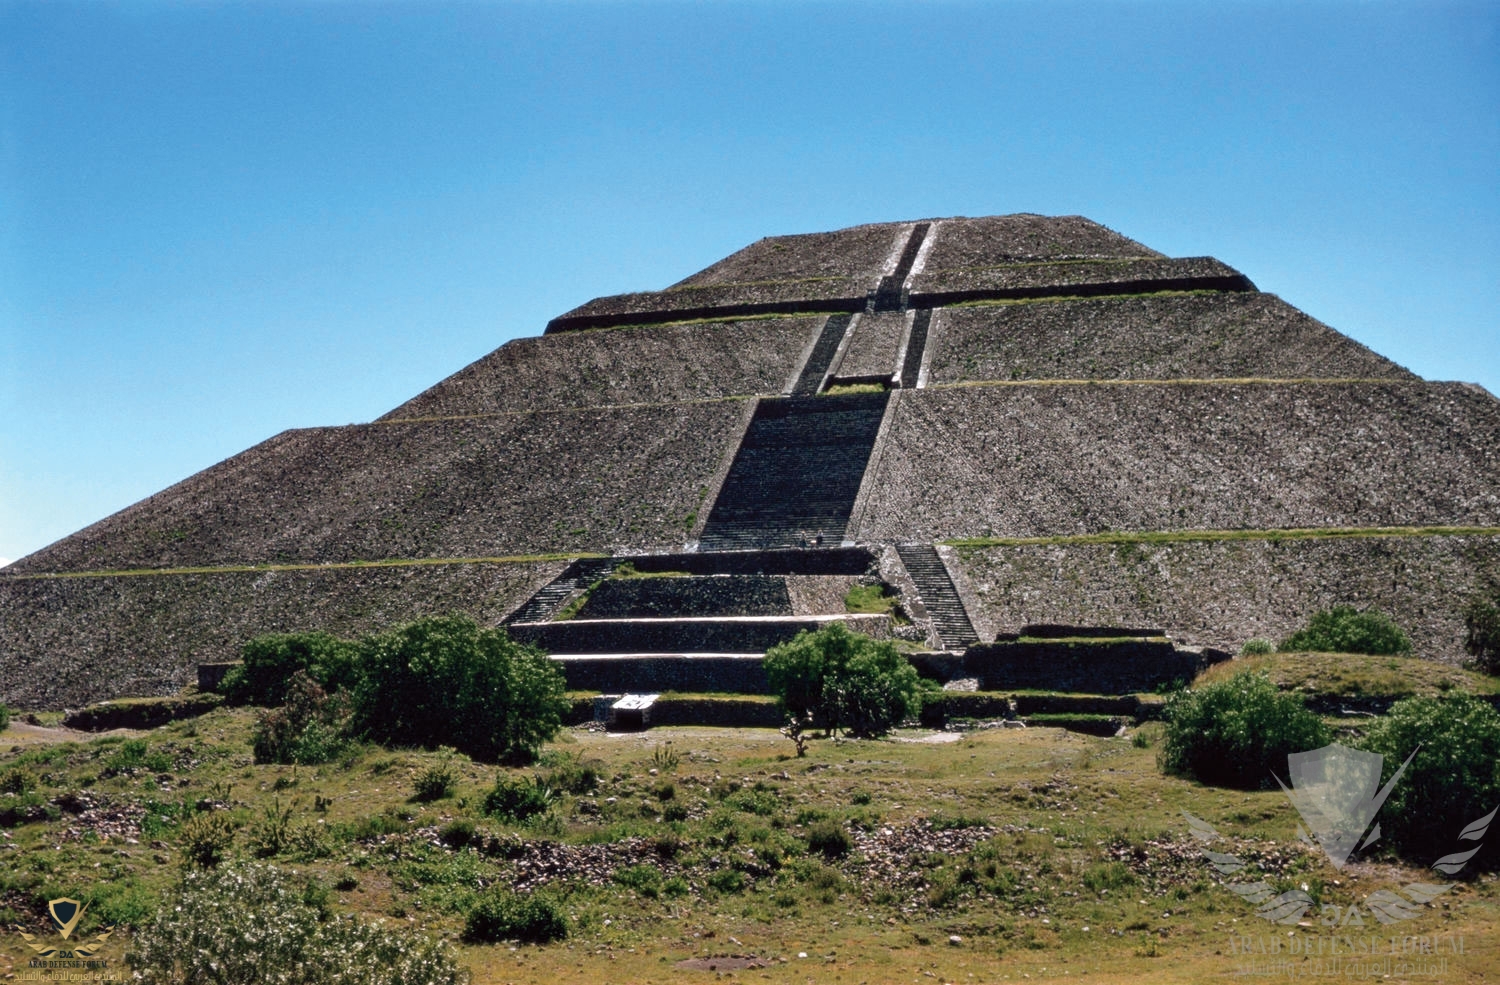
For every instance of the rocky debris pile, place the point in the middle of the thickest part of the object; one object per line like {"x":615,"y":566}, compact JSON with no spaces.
{"x":895,"y":855}
{"x":100,"y":817}
{"x":1167,"y":863}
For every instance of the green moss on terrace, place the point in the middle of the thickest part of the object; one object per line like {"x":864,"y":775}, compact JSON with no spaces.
{"x":229,"y":569}
{"x":1206,"y":381}
{"x":730,"y":398}
{"x":1180,"y":536}
{"x":1053,"y":298}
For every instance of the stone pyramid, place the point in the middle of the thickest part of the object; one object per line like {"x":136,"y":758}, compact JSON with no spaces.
{"x":1014,"y":421}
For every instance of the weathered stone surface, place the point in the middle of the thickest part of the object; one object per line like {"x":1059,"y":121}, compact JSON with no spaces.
{"x":1224,"y":593}
{"x":729,"y":595}
{"x":991,"y":240}
{"x":607,"y":480}
{"x":872,"y":351}
{"x":1048,"y":460}
{"x":639,"y":365}
{"x":1101,"y":668}
{"x":1075,"y":277}
{"x":1212,"y":336}
{"x":69,"y":641}
{"x":859,"y":253}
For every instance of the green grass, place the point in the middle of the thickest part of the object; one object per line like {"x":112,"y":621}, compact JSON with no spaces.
{"x":872,"y":599}
{"x":844,"y":389}
{"x":1019,"y":826}
{"x":1356,"y":675}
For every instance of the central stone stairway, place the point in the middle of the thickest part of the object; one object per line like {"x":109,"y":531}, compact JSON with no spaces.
{"x":797,"y":473}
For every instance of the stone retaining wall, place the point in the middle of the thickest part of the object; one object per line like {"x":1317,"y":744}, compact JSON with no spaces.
{"x":656,"y":636}
{"x":1151,"y":338}
{"x":1224,"y":593}
{"x":726,"y":595}
{"x":1094,"y":668}
{"x":714,"y":673}
{"x":65,"y":642}
{"x":643,"y":364}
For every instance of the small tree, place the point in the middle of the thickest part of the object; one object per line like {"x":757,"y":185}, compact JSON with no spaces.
{"x":1482,"y":636}
{"x":1453,"y":780}
{"x":839,"y":680}
{"x":1235,"y":733}
{"x":270,"y":661}
{"x":1344,"y":629}
{"x":445,"y":681}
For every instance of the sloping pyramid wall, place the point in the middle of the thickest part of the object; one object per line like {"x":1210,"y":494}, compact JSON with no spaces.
{"x":1106,"y":435}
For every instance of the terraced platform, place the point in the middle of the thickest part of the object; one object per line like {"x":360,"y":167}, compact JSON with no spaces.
{"x":1080,"y":429}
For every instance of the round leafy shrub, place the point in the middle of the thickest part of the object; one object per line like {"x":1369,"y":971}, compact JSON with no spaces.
{"x":840,"y":680}
{"x":1344,"y":629}
{"x":250,"y":924}
{"x":1257,"y":647}
{"x":1482,"y":636}
{"x":270,"y":661}
{"x":4,"y":718}
{"x":447,"y":681}
{"x":1235,"y":733}
{"x":1453,"y":780}
{"x":503,"y":915}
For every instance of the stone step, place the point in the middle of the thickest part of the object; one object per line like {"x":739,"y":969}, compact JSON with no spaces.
{"x":810,"y":380}
{"x":935,"y":588}
{"x":688,"y":634}
{"x":555,"y":594}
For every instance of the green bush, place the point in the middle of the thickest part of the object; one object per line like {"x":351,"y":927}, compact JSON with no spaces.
{"x":436,"y":782}
{"x":1344,"y":629}
{"x":207,"y":839}
{"x":308,"y":729}
{"x":829,"y":839}
{"x":1256,"y":647}
{"x":840,"y":680}
{"x":503,"y":915}
{"x":516,"y":799}
{"x":644,"y":879}
{"x":18,"y":780}
{"x":1453,"y":780}
{"x":1482,"y":636}
{"x":4,"y":718}
{"x":1235,"y":733}
{"x":271,"y":660}
{"x":447,"y":681}
{"x":250,"y":924}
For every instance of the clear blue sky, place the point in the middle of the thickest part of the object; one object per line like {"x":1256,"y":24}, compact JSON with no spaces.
{"x":218,"y":221}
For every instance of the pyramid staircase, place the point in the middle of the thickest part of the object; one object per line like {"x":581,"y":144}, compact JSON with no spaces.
{"x":796,"y":474}
{"x":939,"y":596}
{"x":576,"y":577}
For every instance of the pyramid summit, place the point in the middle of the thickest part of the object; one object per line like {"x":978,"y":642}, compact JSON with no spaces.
{"x":1012,"y":421}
